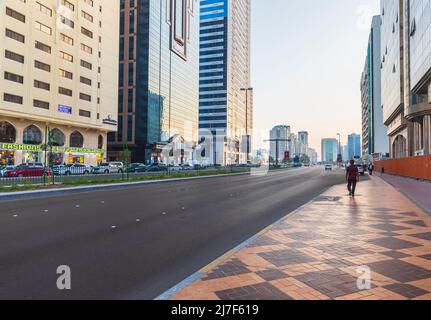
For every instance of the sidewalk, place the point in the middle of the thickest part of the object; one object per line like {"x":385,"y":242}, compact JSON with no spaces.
{"x":418,"y":191}
{"x":314,"y":254}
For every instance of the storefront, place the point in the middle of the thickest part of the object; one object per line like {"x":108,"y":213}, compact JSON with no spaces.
{"x":13,"y":154}
{"x":7,"y":158}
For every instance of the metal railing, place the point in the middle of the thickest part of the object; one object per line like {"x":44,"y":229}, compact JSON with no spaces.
{"x":82,"y":176}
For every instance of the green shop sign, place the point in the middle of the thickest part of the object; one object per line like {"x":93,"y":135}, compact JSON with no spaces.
{"x":26,"y":147}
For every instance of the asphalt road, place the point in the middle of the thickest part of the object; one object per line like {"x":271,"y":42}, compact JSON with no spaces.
{"x":136,"y":243}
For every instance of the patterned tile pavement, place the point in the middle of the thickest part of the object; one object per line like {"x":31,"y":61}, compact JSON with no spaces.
{"x":317,"y":252}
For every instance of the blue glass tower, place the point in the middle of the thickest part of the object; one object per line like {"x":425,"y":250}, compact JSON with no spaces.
{"x":158,"y":84}
{"x":354,"y":145}
{"x":225,"y":108}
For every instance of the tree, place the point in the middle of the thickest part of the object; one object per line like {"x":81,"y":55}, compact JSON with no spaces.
{"x":305,"y":159}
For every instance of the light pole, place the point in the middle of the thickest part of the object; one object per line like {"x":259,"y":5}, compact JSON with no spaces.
{"x":247,"y":90}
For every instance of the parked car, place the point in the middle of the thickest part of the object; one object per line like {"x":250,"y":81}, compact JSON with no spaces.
{"x":26,"y":170}
{"x":328,"y":167}
{"x":3,"y":170}
{"x":136,"y":167}
{"x":72,"y":169}
{"x":157,"y":168}
{"x":110,"y":167}
{"x":186,"y":167}
{"x":175,"y":168}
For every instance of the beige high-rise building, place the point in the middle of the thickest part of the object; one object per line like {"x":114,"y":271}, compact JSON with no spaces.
{"x":59,"y":74}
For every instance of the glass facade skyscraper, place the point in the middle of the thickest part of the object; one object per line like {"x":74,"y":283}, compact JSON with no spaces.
{"x":374,"y":135}
{"x":354,"y":146}
{"x":225,"y":108}
{"x":158,"y":84}
{"x":330,"y":149}
{"x":418,"y":57}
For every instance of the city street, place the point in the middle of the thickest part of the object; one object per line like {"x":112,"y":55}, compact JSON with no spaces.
{"x":137,"y":243}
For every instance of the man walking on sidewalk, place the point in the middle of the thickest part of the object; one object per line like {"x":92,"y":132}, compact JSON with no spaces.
{"x":352,"y":177}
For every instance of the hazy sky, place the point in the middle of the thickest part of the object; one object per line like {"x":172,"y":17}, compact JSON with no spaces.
{"x":307,"y":60}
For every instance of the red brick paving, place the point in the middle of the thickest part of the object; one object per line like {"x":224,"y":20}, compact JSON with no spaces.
{"x":315,"y":253}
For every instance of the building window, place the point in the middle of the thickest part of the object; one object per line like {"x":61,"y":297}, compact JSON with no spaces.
{"x":87,"y":16}
{"x":40,"y":104}
{"x":84,"y":97}
{"x":14,"y":56}
{"x":42,"y":85}
{"x":67,"y":22}
{"x":76,"y":140}
{"x":13,"y":77}
{"x":65,"y":91}
{"x":85,"y":81}
{"x":86,"y":49}
{"x":42,"y":46}
{"x":87,"y":32}
{"x":7,"y":132}
{"x":89,"y":2}
{"x":32,"y":135}
{"x":66,"y":39}
{"x":66,"y":56}
{"x":44,"y":9}
{"x":84,"y":113}
{"x":68,"y":5}
{"x":42,"y":66}
{"x":12,"y":98}
{"x":57,"y":138}
{"x":41,"y":27}
{"x":86,"y":64}
{"x":15,"y":35}
{"x":65,"y":74}
{"x":15,"y":14}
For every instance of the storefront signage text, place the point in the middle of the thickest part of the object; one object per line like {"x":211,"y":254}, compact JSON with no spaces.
{"x":26,"y":147}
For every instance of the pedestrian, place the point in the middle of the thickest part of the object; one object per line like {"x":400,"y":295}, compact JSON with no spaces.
{"x":371,"y":169}
{"x":352,"y":177}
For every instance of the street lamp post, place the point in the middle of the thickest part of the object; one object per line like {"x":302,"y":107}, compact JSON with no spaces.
{"x":247,"y":90}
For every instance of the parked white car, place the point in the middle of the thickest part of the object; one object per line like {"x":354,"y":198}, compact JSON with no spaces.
{"x":72,"y":169}
{"x":110,"y":167}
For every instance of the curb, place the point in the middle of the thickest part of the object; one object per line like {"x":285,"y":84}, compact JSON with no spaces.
{"x":199,"y":274}
{"x":21,"y":195}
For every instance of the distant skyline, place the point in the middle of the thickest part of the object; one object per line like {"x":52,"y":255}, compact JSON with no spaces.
{"x":307,"y":60}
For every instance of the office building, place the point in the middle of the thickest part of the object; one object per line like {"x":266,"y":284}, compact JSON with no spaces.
{"x":393,"y":77}
{"x":329,"y":150}
{"x":158,"y":101}
{"x":354,"y":146}
{"x":303,"y":142}
{"x":280,"y":139}
{"x":226,"y":99}
{"x":58,"y":86}
{"x":417,"y":48}
{"x":374,"y":134}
